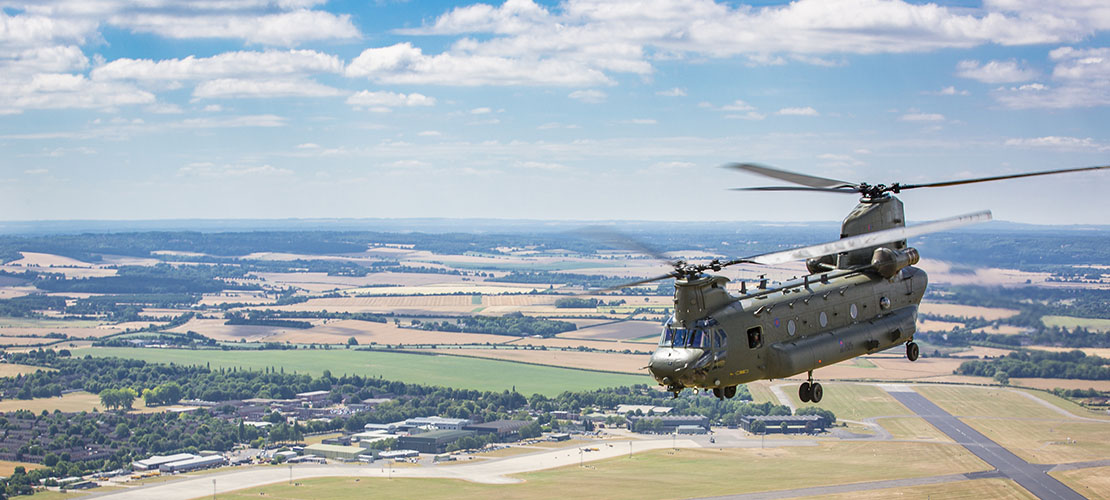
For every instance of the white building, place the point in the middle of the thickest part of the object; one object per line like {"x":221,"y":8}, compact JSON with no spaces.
{"x":193,"y":464}
{"x":157,"y":461}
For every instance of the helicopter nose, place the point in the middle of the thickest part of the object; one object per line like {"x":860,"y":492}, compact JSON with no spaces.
{"x":668,"y":365}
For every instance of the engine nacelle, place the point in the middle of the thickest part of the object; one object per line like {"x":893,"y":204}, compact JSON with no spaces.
{"x":888,"y":262}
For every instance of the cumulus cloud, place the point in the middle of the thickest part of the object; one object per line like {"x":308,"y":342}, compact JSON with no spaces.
{"x":590,"y":96}
{"x":383,"y":101}
{"x":67,"y":91}
{"x":1061,"y":143}
{"x":922,"y":117}
{"x":995,"y":71}
{"x":213,"y":171}
{"x":949,"y":90}
{"x":283,"y":29}
{"x":675,"y":92}
{"x":806,"y":111}
{"x":226,"y":65}
{"x":1080,"y":79}
{"x":235,"y":87}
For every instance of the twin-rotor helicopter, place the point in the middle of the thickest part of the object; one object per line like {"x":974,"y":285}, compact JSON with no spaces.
{"x":860,"y":296}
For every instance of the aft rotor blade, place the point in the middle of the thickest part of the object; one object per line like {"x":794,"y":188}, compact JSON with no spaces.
{"x":1001,"y":177}
{"x":869,"y":239}
{"x":784,"y":175}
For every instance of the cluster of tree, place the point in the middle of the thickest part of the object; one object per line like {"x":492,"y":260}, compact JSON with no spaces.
{"x":28,"y":305}
{"x":582,"y":303}
{"x":276,"y":314}
{"x":165,"y":394}
{"x":158,"y":279}
{"x":238,"y":318}
{"x":515,"y":324}
{"x":118,"y":399}
{"x":1040,"y":364}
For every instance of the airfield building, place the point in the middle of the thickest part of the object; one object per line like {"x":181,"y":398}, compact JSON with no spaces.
{"x":156,"y":461}
{"x":671,"y":423}
{"x":334,"y":452}
{"x":505,"y":429}
{"x":193,"y":464}
{"x":793,"y":423}
{"x":432,"y":442}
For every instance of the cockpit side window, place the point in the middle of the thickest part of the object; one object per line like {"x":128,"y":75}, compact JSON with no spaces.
{"x":755,"y":337}
{"x":722,"y":340}
{"x":668,"y":337}
{"x":680,"y":337}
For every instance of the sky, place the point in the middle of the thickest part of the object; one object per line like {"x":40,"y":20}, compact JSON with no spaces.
{"x":577,"y":109}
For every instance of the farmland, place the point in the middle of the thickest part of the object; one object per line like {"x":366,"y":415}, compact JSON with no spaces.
{"x":449,"y":371}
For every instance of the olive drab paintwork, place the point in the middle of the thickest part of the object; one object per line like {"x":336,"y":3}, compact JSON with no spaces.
{"x":796,"y":326}
{"x":861,"y":295}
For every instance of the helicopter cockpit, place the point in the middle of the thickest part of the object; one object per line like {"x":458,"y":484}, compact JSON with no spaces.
{"x":702,"y":336}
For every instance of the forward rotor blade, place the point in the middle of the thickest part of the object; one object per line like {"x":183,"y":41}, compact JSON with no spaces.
{"x":671,"y":274}
{"x":798,"y":188}
{"x":869,"y":239}
{"x":619,"y":240}
{"x":1001,"y":177}
{"x":784,"y":175}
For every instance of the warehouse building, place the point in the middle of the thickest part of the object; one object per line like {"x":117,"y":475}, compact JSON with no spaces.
{"x":334,"y":452}
{"x":505,"y":429}
{"x":431,"y":442}
{"x":784,"y":424}
{"x":193,"y":464}
{"x":671,"y":423}
{"x":155,"y":461}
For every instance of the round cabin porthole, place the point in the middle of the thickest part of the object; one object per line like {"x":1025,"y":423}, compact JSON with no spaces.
{"x":824,"y":319}
{"x":853,"y":311}
{"x":884,"y":303}
{"x":791,"y":327}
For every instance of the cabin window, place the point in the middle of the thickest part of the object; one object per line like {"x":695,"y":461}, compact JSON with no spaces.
{"x":755,"y":337}
{"x":722,"y":340}
{"x":667,"y":338}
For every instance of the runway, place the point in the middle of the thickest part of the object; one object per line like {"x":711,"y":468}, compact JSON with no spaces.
{"x":1032,"y":477}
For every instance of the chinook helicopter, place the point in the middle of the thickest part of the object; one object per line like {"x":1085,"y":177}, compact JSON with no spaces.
{"x":860,"y":296}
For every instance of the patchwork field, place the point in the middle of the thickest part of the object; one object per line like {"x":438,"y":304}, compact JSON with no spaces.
{"x":449,"y":371}
{"x":962,"y":311}
{"x":7,"y":467}
{"x":624,"y":330}
{"x":1048,"y":441}
{"x":12,"y":369}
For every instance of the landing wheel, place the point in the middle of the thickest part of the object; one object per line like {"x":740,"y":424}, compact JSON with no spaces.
{"x":912,"y":351}
{"x":730,"y":391}
{"x":805,"y":392}
{"x":717,"y":392}
{"x":816,"y":392}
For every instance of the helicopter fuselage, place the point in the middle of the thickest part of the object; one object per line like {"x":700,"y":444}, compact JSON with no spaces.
{"x":716,"y":340}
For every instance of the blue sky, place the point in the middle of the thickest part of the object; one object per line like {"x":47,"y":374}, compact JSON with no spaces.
{"x":603,"y":109}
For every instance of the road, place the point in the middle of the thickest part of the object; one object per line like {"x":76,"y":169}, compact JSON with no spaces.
{"x":1030,"y":476}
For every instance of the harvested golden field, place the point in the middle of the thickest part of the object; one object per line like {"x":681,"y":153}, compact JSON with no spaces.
{"x":80,"y":332}
{"x":624,"y":330}
{"x":981,"y":352}
{"x":12,"y":369}
{"x":522,"y":300}
{"x":35,"y":259}
{"x":613,"y":362}
{"x":402,"y":279}
{"x":1053,"y":383}
{"x":929,"y":325}
{"x":888,"y":368}
{"x":452,"y":288}
{"x":26,"y":341}
{"x":431,"y":304}
{"x":69,"y":272}
{"x":941,"y":272}
{"x":216,"y":329}
{"x":7,"y":468}
{"x":367,"y":332}
{"x":1093,"y":482}
{"x":962,"y":311}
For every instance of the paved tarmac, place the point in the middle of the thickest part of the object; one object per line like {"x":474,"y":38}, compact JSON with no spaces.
{"x":1032,"y":477}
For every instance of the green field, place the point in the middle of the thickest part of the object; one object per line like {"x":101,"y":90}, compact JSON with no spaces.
{"x":451,"y":371}
{"x":1070,"y":322}
{"x":985,"y":402}
{"x":665,"y":474}
{"x":10,"y":322}
{"x":853,"y":401}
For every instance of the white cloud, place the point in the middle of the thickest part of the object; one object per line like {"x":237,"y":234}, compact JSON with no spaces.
{"x":235,"y":121}
{"x":213,"y":108}
{"x":675,"y":92}
{"x":588,"y":96}
{"x":429,"y":133}
{"x":234,"y":87}
{"x":1081,"y":79}
{"x":839,"y":160}
{"x":750,"y":115}
{"x":212,"y":171}
{"x":539,"y":165}
{"x":481,"y":111}
{"x":308,"y":145}
{"x":226,"y":65}
{"x":994,"y":71}
{"x":639,"y":121}
{"x":1060,"y":143}
{"x":949,"y":90}
{"x":163,"y":108}
{"x":66,"y":91}
{"x":806,"y":111}
{"x":922,"y":117}
{"x":283,"y":29}
{"x":738,"y":105}
{"x":381,"y":102}
{"x":36,"y":171}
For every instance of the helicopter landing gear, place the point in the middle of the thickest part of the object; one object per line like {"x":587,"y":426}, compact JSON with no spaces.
{"x":810,"y":391}
{"x":912,"y":351}
{"x":725,"y":392}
